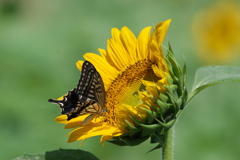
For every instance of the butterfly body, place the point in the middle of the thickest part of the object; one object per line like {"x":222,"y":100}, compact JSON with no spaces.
{"x":87,"y":98}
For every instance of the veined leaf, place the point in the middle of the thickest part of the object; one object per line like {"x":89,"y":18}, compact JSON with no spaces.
{"x":61,"y":154}
{"x":31,"y":157}
{"x":210,"y":75}
{"x":70,"y":154}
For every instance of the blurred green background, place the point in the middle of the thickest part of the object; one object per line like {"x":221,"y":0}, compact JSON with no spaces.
{"x":40,"y":41}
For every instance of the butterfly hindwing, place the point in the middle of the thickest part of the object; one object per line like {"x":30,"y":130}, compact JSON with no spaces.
{"x":87,"y":98}
{"x":68,"y":103}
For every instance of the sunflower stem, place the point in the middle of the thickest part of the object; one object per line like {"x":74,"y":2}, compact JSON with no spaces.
{"x":167,"y":149}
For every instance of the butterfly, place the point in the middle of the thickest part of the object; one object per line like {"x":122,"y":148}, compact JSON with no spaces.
{"x":87,"y":98}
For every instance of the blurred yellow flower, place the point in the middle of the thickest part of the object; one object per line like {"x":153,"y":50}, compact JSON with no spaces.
{"x":130,"y":68}
{"x":217,"y":32}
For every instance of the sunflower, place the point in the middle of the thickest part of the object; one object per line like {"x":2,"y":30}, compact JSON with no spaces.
{"x":141,"y":99}
{"x":217,"y":32}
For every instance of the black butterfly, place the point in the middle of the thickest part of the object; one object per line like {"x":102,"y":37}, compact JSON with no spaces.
{"x":87,"y":98}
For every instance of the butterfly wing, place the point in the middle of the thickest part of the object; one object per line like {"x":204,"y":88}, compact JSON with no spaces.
{"x":91,"y":107}
{"x":68,"y":103}
{"x":87,"y":98}
{"x":90,"y":85}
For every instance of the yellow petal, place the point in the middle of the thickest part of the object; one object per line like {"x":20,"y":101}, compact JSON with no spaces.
{"x":142,"y":113}
{"x":148,"y":83}
{"x":79,"y":65}
{"x":75,"y":122}
{"x":146,"y":98}
{"x":90,"y":131}
{"x":119,"y":51}
{"x":103,"y":52}
{"x":142,"y":44}
{"x":161,"y":30}
{"x":62,"y":119}
{"x":129,"y":42}
{"x":115,"y":133}
{"x":157,"y":71}
{"x":153,"y":90}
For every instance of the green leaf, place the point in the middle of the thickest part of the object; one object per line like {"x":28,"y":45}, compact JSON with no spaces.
{"x":69,"y":154}
{"x":31,"y":157}
{"x":61,"y":154}
{"x":210,"y":75}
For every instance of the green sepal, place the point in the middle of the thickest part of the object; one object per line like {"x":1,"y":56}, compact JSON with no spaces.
{"x":172,"y":91}
{"x":163,"y":97}
{"x":157,"y":138}
{"x":135,"y":120}
{"x":176,"y":103}
{"x":179,"y":78}
{"x":156,"y":111}
{"x":148,"y":129}
{"x":176,"y":71}
{"x":185,"y":99}
{"x":151,"y":116}
{"x":117,"y":141}
{"x":169,"y":124}
{"x":127,"y":141}
{"x":132,"y":129}
{"x":160,"y":145}
{"x":163,"y":106}
{"x":169,"y":79}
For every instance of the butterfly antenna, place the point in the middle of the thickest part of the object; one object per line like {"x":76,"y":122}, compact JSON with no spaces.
{"x":53,"y":101}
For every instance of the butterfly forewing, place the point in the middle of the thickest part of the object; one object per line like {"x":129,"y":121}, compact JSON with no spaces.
{"x":90,"y":85}
{"x":87,"y":98}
